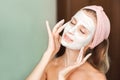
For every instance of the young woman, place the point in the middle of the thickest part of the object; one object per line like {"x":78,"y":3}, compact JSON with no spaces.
{"x":85,"y":40}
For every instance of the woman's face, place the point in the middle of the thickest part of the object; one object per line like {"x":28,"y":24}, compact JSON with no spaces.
{"x":78,"y":31}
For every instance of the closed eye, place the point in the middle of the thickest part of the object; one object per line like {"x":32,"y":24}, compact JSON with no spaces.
{"x":83,"y":30}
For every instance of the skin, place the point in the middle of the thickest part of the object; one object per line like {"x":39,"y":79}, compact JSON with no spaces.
{"x":49,"y":68}
{"x":78,"y":31}
{"x":83,"y":72}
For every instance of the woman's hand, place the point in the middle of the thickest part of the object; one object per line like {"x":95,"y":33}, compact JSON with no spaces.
{"x":53,"y":47}
{"x":54,"y":37}
{"x":80,"y":60}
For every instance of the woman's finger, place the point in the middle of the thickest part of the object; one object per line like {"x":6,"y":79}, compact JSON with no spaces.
{"x":80,"y":56}
{"x":60,"y":29}
{"x":57,"y":34}
{"x":59,"y":24}
{"x":85,"y":59}
{"x":48,"y":29}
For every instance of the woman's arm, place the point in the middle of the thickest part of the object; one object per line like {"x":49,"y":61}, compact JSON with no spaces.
{"x":53,"y":47}
{"x":39,"y":70}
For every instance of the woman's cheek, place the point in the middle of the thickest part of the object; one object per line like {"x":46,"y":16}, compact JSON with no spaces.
{"x":67,"y":28}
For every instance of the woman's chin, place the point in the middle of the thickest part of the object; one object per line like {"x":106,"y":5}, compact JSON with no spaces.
{"x":69,"y":46}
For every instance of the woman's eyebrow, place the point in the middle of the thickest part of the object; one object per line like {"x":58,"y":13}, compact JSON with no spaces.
{"x":74,"y":19}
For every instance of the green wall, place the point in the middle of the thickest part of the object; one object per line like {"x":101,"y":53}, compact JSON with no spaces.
{"x":23,"y":35}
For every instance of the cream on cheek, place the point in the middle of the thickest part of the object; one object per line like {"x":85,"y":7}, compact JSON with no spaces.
{"x":79,"y":40}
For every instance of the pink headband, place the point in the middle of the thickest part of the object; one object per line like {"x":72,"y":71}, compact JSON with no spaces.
{"x":103,"y":25}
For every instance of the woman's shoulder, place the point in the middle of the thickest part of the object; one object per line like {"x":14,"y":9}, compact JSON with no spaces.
{"x":86,"y":73}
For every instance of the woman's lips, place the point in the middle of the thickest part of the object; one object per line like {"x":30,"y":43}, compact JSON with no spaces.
{"x":67,"y":38}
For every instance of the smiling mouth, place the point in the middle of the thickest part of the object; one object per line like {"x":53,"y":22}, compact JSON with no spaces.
{"x":67,"y":39}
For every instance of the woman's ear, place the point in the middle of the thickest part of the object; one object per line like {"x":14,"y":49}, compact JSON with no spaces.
{"x":90,"y":44}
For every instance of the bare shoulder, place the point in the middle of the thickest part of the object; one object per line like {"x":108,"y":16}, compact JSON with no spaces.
{"x":81,"y":74}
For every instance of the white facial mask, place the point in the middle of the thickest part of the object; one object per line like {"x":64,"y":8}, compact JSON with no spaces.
{"x":72,"y":37}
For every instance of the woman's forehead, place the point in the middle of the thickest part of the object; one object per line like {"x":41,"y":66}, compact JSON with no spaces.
{"x":81,"y":18}
{"x":80,"y":15}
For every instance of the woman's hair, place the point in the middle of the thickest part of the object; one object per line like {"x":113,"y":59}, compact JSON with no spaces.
{"x":99,"y":58}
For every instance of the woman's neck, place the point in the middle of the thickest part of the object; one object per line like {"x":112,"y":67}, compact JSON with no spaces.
{"x":70,"y":56}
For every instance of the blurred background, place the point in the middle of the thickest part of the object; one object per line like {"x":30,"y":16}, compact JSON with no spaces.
{"x":23,"y":34}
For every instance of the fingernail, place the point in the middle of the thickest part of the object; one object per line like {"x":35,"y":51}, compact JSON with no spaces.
{"x":62,"y":21}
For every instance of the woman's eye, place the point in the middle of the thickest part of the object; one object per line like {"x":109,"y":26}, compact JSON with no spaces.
{"x":82,"y":31}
